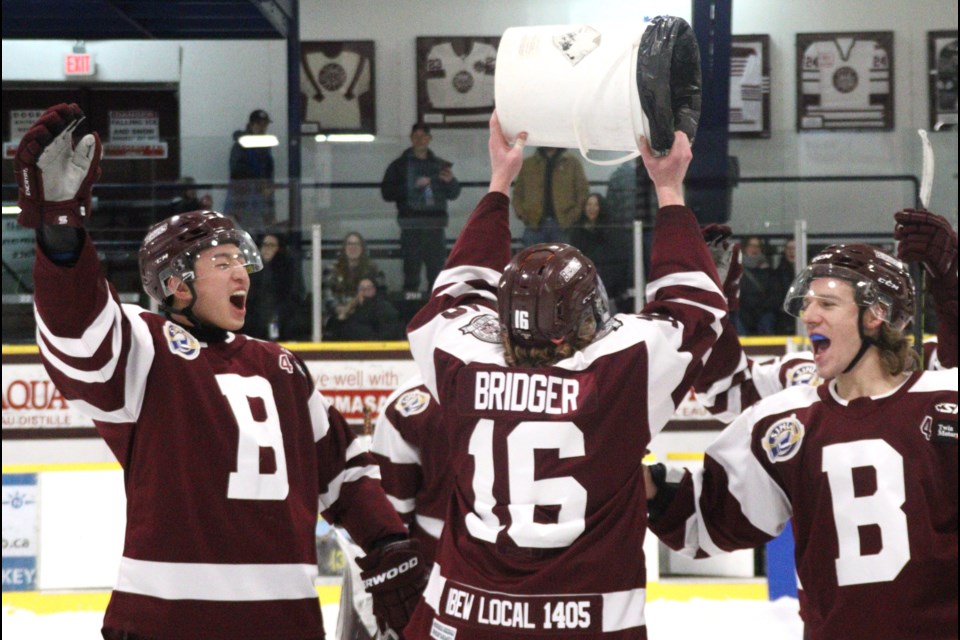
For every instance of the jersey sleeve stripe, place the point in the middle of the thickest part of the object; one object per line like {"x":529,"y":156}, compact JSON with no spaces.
{"x":762,"y":500}
{"x":138,"y":363}
{"x":355,"y":449}
{"x":402,"y":506}
{"x":86,"y":346}
{"x":93,"y":336}
{"x":318,"y":415}
{"x":431,"y":526}
{"x":217,"y":582}
{"x":332,"y":494}
{"x":479,"y":277}
{"x":389,"y":443}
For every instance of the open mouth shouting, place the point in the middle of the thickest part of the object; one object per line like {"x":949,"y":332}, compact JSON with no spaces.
{"x":239,"y":301}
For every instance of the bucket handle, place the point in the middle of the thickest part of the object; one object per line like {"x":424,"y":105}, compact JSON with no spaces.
{"x":578,"y":112}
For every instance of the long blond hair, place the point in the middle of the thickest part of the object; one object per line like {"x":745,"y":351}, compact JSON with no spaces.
{"x":896,"y":353}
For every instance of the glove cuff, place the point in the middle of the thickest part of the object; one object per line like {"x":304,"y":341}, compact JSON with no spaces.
{"x":71,"y":213}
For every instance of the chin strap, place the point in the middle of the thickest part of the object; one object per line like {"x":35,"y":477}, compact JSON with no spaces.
{"x":865,"y":341}
{"x":199,"y":330}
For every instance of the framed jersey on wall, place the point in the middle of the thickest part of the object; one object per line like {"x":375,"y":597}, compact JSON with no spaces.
{"x":942,"y":65}
{"x":337,"y":87}
{"x":845,"y":81}
{"x":750,"y":86}
{"x":455,"y":80}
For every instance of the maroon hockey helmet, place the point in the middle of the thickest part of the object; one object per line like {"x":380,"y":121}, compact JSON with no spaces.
{"x":546,"y":292}
{"x":879,"y":281}
{"x":171,"y":246}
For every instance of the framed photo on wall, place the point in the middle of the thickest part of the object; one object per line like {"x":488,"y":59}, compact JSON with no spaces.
{"x":942,"y":65}
{"x":337,"y":87}
{"x":750,"y":86}
{"x":845,"y":81}
{"x":455,"y":80}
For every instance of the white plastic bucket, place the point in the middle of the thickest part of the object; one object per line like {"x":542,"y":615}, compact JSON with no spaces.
{"x":572,"y":86}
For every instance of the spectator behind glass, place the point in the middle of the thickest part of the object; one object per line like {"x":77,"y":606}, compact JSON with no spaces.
{"x":603,"y":243}
{"x":342,"y":280}
{"x":420,"y":183}
{"x":757,"y":313}
{"x":781,"y":279}
{"x":368,"y":316}
{"x":276,"y":294}
{"x":250,"y":195}
{"x":631,"y":196}
{"x":548,"y":195}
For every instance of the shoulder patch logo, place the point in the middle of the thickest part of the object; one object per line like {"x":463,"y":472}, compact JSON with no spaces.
{"x":803,"y":374}
{"x":940,"y":431}
{"x":948,"y":408}
{"x":180,"y":342}
{"x":412,"y":402}
{"x":485,"y":328}
{"x":783,"y":439}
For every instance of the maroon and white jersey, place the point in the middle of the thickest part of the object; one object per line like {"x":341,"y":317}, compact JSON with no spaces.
{"x":545,"y":526}
{"x":871,"y":487}
{"x":227,"y":453}
{"x":411,"y":448}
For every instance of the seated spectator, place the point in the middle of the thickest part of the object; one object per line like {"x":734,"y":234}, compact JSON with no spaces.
{"x":758,"y":302}
{"x":369,"y":316}
{"x":608,"y":246}
{"x":275,"y":301}
{"x":353,"y":264}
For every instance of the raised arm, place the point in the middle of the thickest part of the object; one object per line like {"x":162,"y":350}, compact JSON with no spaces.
{"x":928,"y":238}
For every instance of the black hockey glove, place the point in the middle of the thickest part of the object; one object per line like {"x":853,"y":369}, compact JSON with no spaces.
{"x":395,"y":575}
{"x":55,"y":175}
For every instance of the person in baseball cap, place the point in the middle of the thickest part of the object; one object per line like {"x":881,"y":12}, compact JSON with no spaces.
{"x":259,"y":116}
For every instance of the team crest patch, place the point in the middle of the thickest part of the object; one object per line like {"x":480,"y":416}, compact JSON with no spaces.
{"x":803,"y":374}
{"x":783,"y":439}
{"x":485,"y":328}
{"x":412,"y":402}
{"x":180,"y":342}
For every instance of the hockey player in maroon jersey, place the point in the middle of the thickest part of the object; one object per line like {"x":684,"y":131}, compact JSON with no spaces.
{"x":548,"y":406}
{"x":865,"y":465}
{"x":227,"y":448}
{"x":410,"y":446}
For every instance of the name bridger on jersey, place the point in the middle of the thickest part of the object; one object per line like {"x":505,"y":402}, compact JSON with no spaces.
{"x":524,"y":392}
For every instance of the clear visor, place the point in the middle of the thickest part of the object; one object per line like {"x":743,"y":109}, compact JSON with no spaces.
{"x":865,"y":293}
{"x":228,"y":249}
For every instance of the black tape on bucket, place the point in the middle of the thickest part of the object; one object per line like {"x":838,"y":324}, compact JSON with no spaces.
{"x":668,"y":79}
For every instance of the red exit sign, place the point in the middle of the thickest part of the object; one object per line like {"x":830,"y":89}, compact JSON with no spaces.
{"x":78,"y":64}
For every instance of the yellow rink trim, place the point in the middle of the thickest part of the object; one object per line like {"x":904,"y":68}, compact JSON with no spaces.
{"x":44,"y":603}
{"x":685,"y":456}
{"x":61,"y":466}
